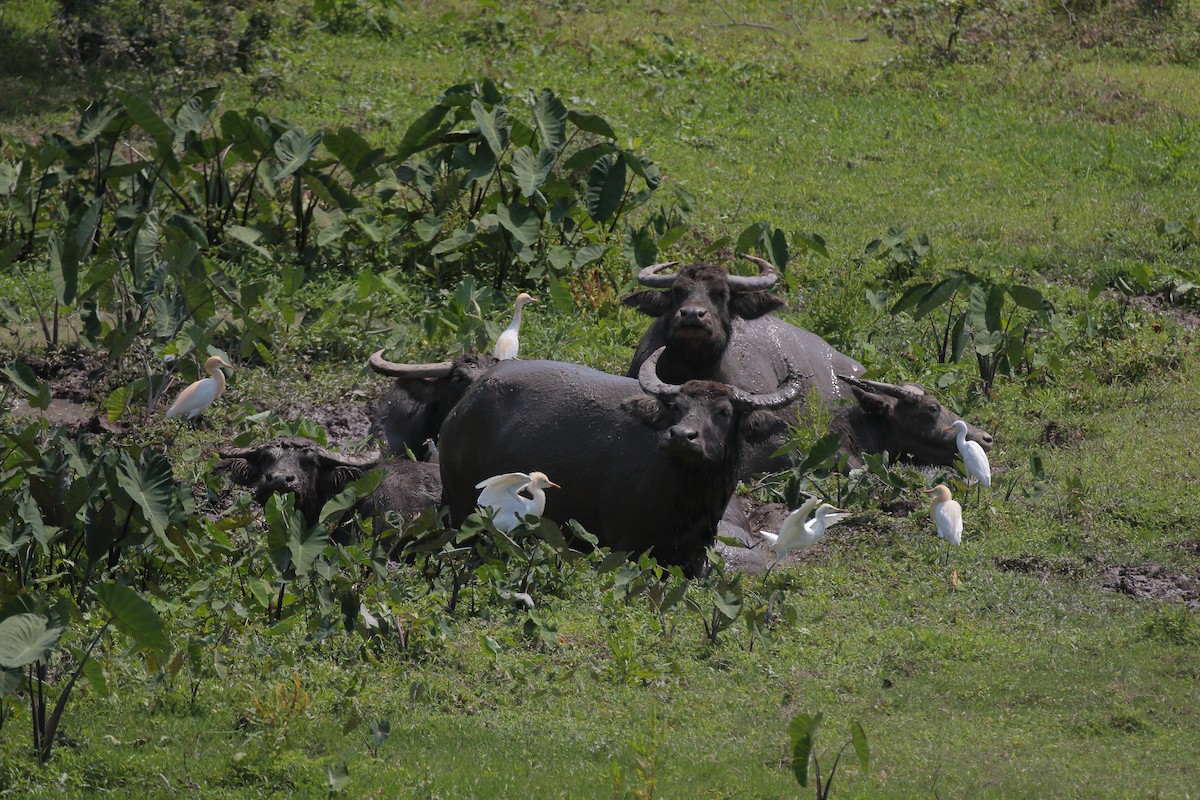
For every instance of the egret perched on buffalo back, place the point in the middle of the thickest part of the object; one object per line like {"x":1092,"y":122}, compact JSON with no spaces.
{"x":947,"y":516}
{"x":508,"y":343}
{"x":502,"y":494}
{"x":196,"y":398}
{"x":798,"y":533}
{"x":975,"y":460}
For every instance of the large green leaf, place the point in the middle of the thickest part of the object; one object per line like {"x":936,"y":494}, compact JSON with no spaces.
{"x":823,"y":450}
{"x":550,"y":115}
{"x":144,"y":115}
{"x":521,"y":222}
{"x":135,"y":617}
{"x":935,"y":297}
{"x":151,"y":486}
{"x":531,"y":169}
{"x":803,"y":730}
{"x":294,"y":149}
{"x":284,"y":525}
{"x":859,"y":737}
{"x":605,"y":187}
{"x":592,"y":123}
{"x":36,"y":392}
{"x":1027,"y":297}
{"x":494,"y":125}
{"x":194,"y":114}
{"x":424,"y":130}
{"x":25,"y":638}
{"x":355,"y":153}
{"x":96,"y":119}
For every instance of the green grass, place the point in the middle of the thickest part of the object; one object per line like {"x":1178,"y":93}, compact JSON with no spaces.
{"x":1028,"y":680}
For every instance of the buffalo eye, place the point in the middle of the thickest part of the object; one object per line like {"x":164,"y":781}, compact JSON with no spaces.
{"x":725,"y":412}
{"x":719,"y":296}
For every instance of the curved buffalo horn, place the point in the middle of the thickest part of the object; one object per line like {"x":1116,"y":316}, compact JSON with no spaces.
{"x":360,"y":460}
{"x":649,"y":276}
{"x":439,"y":369}
{"x":239,"y":452}
{"x":765,"y":279}
{"x":781,"y":397}
{"x":907,"y":392}
{"x":649,"y":380}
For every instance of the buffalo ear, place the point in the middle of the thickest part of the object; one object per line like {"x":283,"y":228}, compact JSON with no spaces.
{"x":752,"y":305}
{"x":873,"y":403}
{"x":760,"y":425}
{"x":240,"y":470}
{"x":648,"y":410}
{"x":650,"y":302}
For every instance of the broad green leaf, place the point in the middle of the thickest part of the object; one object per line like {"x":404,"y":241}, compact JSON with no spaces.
{"x":11,"y":681}
{"x":151,"y":486}
{"x":248,"y":237}
{"x":824,"y":449}
{"x":284,"y":524}
{"x":477,"y":159}
{"x":31,"y":515}
{"x":304,"y":545}
{"x":935,"y":297}
{"x":26,"y":638}
{"x":145,"y":249}
{"x":135,"y":617}
{"x":777,"y":249}
{"x":560,"y":296}
{"x":752,"y":236}
{"x":859,"y":737}
{"x":640,"y":248}
{"x":10,"y":252}
{"x":531,"y":170}
{"x":592,"y":123}
{"x":351,"y":494}
{"x":803,"y":730}
{"x":729,"y":604}
{"x":95,"y":120}
{"x":424,"y":130}
{"x":589,"y":254}
{"x":644,"y":168}
{"x":1027,"y":297}
{"x":355,"y":154}
{"x":550,"y":116}
{"x":910,"y":298}
{"x":494,"y":125}
{"x":23,"y":378}
{"x":294,"y":149}
{"x":520,"y":221}
{"x":605,"y":187}
{"x":194,"y":114}
{"x":144,"y":115}
{"x":337,"y":776}
{"x":94,"y":674}
{"x":987,"y":342}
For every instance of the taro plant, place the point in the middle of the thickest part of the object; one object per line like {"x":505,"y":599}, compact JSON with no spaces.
{"x":492,"y":184}
{"x":995,"y":322}
{"x":84,"y":528}
{"x":803,"y":732}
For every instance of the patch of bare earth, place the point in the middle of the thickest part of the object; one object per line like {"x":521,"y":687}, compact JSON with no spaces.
{"x":1153,"y":582}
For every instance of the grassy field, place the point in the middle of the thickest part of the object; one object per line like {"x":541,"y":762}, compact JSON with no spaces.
{"x":1066,"y":660}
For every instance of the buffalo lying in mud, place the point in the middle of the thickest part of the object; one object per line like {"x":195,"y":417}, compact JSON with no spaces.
{"x":315,"y":475}
{"x":641,"y":463}
{"x":414,"y":407}
{"x":717,"y":326}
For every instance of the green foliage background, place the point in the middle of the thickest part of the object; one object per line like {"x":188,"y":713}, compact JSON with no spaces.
{"x":998,"y":200}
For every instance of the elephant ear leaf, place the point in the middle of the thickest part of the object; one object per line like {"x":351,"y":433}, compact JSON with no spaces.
{"x":26,"y":638}
{"x":803,"y":731}
{"x":135,"y":617}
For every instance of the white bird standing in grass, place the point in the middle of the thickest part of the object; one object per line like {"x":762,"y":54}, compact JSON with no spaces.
{"x":508,"y":343}
{"x":502,"y":494}
{"x":975,"y":460}
{"x":947,"y":516}
{"x":797,"y":533}
{"x":196,"y":398}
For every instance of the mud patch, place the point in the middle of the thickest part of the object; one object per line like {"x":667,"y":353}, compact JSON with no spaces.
{"x":344,"y":423}
{"x":1055,"y":435}
{"x":1153,"y":582}
{"x":1036,"y":565}
{"x":76,"y":417}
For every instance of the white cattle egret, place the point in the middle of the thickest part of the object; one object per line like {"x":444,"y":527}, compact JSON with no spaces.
{"x":797,"y":533}
{"x":431,"y":451}
{"x":947,"y":516}
{"x":502,"y":494}
{"x":508,"y":343}
{"x":195,"y":399}
{"x":975,"y":460}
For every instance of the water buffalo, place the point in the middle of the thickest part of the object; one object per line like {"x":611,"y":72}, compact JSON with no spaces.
{"x":315,"y":475}
{"x":641,"y":463}
{"x":717,"y":326}
{"x":903,"y":420}
{"x":418,"y":401}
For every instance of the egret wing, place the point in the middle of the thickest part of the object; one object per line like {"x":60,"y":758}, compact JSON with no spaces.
{"x":501,"y":490}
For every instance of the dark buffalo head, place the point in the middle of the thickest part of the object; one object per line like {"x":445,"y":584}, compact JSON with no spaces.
{"x":699,"y":305}
{"x":418,"y":401}
{"x":705,"y":421}
{"x":910,"y":423}
{"x":296,"y":465}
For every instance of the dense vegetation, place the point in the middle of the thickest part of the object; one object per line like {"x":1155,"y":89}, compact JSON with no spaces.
{"x":995,"y":199}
